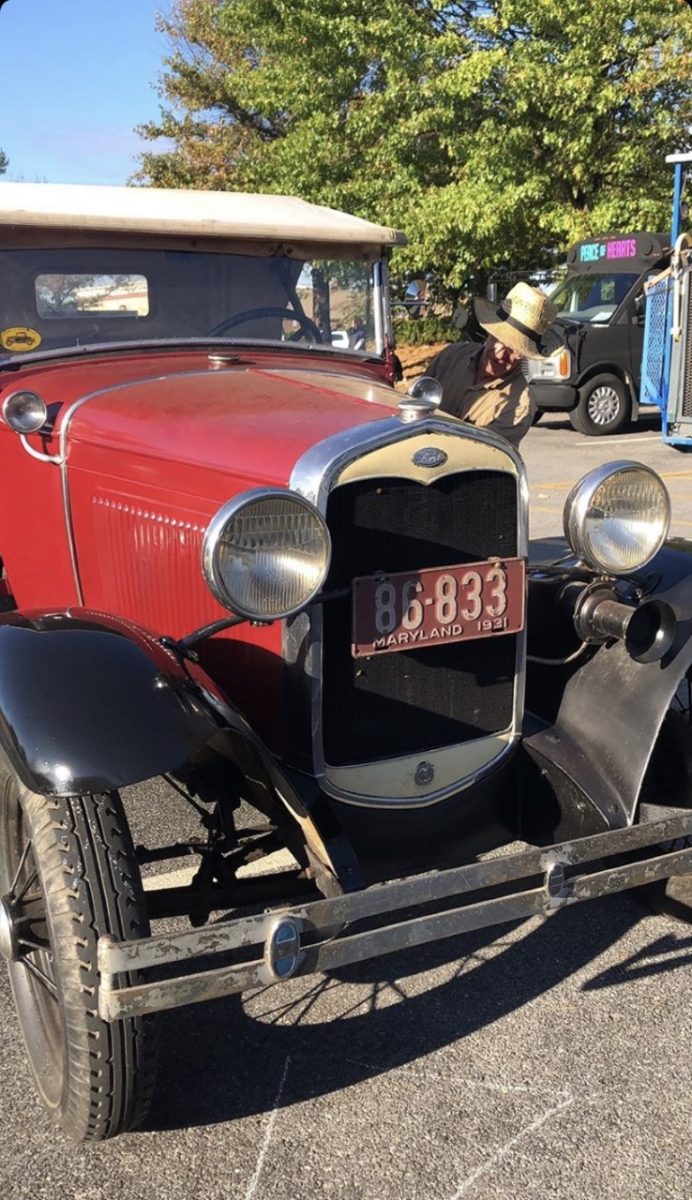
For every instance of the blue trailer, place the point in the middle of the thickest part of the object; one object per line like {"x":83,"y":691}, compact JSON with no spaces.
{"x":667,"y":356}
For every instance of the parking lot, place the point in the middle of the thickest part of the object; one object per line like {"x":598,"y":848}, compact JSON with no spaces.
{"x":556,"y":456}
{"x":549,"y":1058}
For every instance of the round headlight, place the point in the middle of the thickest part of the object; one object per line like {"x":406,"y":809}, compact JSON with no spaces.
{"x":25,"y":412}
{"x":617,"y":517}
{"x":266,"y":554}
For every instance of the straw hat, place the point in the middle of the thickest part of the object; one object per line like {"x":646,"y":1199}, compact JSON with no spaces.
{"x":520,"y":320}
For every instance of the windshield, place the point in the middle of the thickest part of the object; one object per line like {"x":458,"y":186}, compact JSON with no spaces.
{"x":592,"y":298}
{"x":51,"y":299}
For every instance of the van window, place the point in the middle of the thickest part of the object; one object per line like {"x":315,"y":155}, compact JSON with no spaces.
{"x":592,"y":298}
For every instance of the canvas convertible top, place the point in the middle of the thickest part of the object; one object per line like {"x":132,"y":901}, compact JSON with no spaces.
{"x":191,"y":213}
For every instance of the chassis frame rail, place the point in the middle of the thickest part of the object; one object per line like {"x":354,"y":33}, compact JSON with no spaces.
{"x":300,"y":939}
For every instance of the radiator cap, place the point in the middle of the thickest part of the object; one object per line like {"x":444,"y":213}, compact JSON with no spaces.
{"x":423,"y":399}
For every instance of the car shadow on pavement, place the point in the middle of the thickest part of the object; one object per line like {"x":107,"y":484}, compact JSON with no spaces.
{"x":223,"y":1060}
{"x":667,"y":953}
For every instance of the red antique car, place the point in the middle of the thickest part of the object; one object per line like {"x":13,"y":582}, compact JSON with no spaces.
{"x":236,"y":558}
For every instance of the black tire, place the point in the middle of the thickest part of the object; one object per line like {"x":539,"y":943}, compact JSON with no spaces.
{"x":603,"y":407}
{"x":69,"y":870}
{"x":540,"y":412}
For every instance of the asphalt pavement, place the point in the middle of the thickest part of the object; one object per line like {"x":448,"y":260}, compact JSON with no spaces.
{"x":546,"y":1059}
{"x":557,"y":456}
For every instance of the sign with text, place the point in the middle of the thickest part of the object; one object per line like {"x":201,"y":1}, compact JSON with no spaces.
{"x":440,"y":604}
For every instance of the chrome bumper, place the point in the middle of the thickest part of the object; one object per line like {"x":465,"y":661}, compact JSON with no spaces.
{"x":292,"y":941}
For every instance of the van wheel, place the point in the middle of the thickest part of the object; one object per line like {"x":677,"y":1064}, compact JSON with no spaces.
{"x":603,"y":407}
{"x":68,"y":874}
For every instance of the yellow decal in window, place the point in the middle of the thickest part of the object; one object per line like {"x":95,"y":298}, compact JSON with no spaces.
{"x":19,"y":338}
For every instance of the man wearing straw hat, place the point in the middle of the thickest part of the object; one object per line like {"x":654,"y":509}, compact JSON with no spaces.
{"x":484,"y":384}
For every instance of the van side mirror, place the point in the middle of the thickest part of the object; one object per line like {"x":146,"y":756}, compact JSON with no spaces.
{"x":460,"y":317}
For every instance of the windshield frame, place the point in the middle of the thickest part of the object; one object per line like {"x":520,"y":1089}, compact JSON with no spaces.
{"x":15,"y":361}
{"x":374,"y":284}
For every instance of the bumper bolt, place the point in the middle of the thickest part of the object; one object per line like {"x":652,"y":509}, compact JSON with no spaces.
{"x":282,"y":948}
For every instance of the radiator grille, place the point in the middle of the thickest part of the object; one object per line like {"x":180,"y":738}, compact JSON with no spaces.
{"x":425,"y":698}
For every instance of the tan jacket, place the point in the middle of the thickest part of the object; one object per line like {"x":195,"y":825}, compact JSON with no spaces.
{"x":503,"y":405}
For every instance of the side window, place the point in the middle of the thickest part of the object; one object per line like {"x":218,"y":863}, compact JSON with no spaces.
{"x":60,"y":296}
{"x":338,"y":297}
{"x":639,"y":308}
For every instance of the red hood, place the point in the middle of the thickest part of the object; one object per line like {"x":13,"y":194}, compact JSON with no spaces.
{"x":252,"y":419}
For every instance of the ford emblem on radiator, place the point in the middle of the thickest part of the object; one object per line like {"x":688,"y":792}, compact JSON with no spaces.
{"x":429,"y":456}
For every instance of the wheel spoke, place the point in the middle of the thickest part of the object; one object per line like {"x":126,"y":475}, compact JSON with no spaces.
{"x":26,"y":885}
{"x":32,"y":909}
{"x":18,"y":872}
{"x":43,"y":979}
{"x":33,"y":943}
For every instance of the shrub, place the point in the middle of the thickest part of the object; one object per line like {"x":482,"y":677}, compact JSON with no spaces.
{"x":426,"y":331}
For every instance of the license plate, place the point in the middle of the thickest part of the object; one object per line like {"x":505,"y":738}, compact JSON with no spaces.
{"x":440,"y":604}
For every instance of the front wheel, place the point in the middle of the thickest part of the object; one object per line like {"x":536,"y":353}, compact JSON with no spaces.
{"x":603,"y":407}
{"x":68,"y":874}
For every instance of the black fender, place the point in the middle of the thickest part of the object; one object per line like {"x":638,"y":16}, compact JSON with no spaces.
{"x":672,"y":564}
{"x":604,"y":716}
{"x":603,"y":367}
{"x":93,"y":703}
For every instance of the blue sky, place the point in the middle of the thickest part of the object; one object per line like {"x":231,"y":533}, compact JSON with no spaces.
{"x":76,"y":76}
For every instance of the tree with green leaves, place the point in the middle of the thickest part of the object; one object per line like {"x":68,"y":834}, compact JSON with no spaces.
{"x":4,"y":162}
{"x":493,"y":133}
